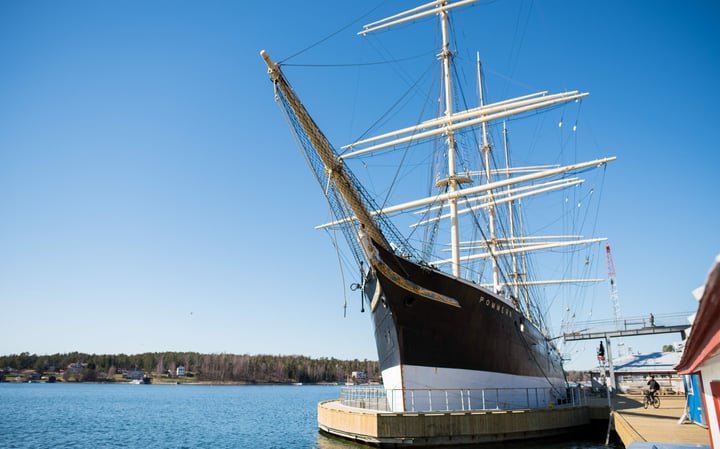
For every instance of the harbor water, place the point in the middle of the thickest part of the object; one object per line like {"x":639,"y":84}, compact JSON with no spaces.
{"x":181,"y":416}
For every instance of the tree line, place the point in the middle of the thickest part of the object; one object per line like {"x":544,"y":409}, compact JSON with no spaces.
{"x":203,"y":367}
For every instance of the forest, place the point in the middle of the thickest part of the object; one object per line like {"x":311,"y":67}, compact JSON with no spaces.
{"x":217,"y":368}
{"x":220,"y":368}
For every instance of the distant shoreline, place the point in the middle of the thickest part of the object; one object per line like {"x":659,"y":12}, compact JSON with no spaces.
{"x":155,"y":381}
{"x":184,"y":367}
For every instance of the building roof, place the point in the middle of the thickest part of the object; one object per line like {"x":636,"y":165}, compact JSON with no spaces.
{"x":654,"y":362}
{"x":704,"y":339}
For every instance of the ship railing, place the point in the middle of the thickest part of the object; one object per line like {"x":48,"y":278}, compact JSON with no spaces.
{"x":460,"y":399}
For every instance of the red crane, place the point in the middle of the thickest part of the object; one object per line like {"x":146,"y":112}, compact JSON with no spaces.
{"x":614,"y":297}
{"x":613,"y":284}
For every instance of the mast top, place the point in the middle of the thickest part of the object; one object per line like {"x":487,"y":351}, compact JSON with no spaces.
{"x":419,"y":12}
{"x":271,"y":65}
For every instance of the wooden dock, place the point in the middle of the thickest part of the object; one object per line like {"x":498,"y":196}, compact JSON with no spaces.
{"x":636,"y":427}
{"x":388,"y":429}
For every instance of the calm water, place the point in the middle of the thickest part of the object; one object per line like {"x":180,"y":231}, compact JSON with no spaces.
{"x":176,"y":416}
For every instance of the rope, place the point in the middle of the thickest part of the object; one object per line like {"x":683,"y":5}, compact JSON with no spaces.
{"x":332,"y":34}
{"x":342,"y":272}
{"x":394,"y":105}
{"x":540,"y":368}
{"x":360,"y":64}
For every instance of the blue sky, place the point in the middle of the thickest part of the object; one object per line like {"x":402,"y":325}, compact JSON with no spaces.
{"x":152,"y":197}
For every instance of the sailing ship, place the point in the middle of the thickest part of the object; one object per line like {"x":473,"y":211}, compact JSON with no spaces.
{"x":437,"y":325}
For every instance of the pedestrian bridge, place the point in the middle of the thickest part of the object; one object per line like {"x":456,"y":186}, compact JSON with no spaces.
{"x":627,"y":327}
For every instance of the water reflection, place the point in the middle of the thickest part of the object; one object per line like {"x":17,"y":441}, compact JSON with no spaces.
{"x":573,"y":441}
{"x":325,"y":441}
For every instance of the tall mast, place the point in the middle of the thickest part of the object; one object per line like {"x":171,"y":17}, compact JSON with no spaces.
{"x":511,"y":218}
{"x":446,"y":57}
{"x":492,"y":244}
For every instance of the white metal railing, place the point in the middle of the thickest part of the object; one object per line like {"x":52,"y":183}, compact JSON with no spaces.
{"x":461,"y":399}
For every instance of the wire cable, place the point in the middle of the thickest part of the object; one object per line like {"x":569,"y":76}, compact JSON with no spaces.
{"x":333,"y":33}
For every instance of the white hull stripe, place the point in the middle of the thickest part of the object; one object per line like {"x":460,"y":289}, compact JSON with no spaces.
{"x":420,"y":388}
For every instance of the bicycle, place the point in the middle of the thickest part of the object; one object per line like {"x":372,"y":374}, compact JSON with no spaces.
{"x":651,"y":398}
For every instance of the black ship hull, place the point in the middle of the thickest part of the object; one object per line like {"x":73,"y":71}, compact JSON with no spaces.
{"x":479,"y":342}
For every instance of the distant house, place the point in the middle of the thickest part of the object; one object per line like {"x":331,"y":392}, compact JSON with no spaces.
{"x":180,"y":371}
{"x":75,"y":368}
{"x":28,"y":375}
{"x":701,"y":357}
{"x":134,"y":374}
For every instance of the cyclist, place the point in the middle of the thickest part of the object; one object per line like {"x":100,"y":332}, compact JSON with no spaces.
{"x":653,"y":388}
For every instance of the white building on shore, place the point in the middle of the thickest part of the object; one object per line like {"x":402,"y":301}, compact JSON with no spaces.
{"x":632,"y":372}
